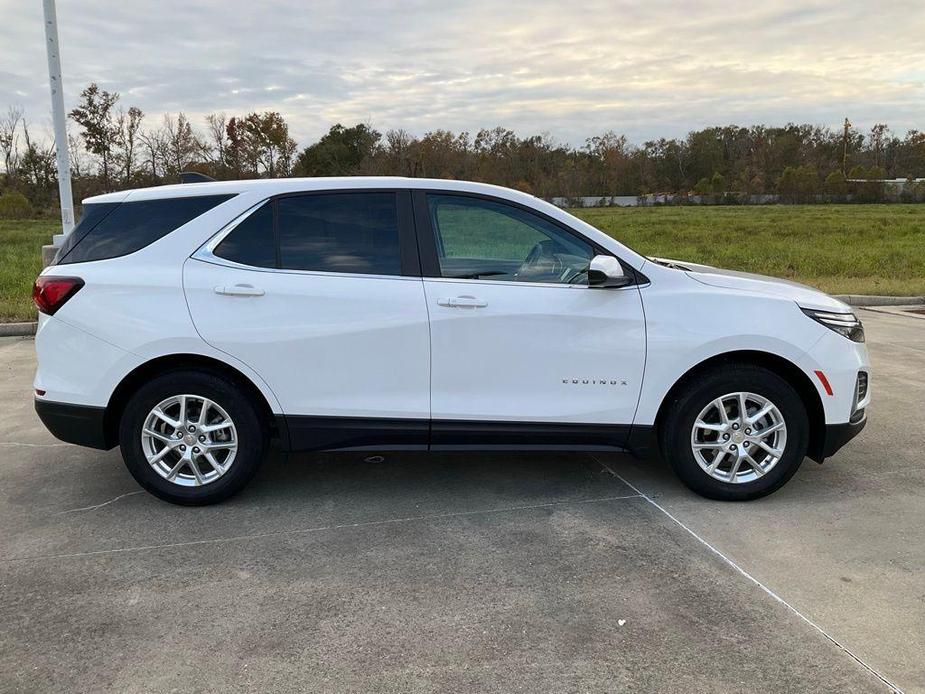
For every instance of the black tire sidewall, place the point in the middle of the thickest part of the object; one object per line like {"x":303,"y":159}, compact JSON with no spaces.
{"x":252,"y":436}
{"x":711,"y":385}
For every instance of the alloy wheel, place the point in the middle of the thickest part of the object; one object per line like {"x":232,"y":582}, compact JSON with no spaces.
{"x":189,"y":440}
{"x":739,"y":437}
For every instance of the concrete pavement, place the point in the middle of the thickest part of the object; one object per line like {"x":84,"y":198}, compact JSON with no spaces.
{"x":468,"y":572}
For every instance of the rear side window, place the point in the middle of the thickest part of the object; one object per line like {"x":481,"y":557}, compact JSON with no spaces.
{"x":91,"y":216}
{"x":130,"y":226}
{"x":251,"y":242}
{"x":340,"y":232}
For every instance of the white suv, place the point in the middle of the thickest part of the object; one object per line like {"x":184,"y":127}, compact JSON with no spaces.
{"x":190,"y":324}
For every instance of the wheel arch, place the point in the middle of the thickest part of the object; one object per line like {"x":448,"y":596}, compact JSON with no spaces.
{"x":784,"y":368}
{"x":180,"y":362}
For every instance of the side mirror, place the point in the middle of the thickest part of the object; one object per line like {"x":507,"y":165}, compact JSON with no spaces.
{"x":605,"y":271}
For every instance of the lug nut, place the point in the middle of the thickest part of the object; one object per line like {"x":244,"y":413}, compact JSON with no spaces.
{"x":748,"y":432}
{"x":732,"y":447}
{"x":191,"y":428}
{"x":196,"y":449}
{"x":745,"y":444}
{"x":182,"y":448}
{"x":735,"y":426}
{"x":202,"y":439}
{"x":725,"y":437}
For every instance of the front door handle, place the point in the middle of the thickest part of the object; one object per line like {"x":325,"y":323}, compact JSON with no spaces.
{"x":462,"y":302}
{"x":240,"y":290}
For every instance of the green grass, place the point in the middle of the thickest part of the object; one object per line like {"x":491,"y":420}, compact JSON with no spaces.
{"x":842,"y":249}
{"x":21,"y":242}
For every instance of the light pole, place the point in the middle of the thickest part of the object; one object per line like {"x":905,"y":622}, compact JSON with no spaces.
{"x":58,"y":118}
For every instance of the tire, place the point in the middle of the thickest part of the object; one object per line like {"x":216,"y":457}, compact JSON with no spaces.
{"x":245,"y":441}
{"x":699,"y":397}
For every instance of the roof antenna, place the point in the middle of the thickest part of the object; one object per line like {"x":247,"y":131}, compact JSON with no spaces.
{"x":194,"y":177}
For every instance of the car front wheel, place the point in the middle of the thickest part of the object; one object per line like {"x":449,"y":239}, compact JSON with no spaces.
{"x":736,"y":432}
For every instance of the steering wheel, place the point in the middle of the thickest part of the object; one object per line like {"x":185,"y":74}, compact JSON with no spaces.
{"x":542,"y":262}
{"x":577,"y":277}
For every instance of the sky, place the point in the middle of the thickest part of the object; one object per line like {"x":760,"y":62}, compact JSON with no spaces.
{"x":646,"y":69}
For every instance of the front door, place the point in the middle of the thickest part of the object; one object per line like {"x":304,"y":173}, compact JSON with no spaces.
{"x":524,"y":352}
{"x":320,"y":294}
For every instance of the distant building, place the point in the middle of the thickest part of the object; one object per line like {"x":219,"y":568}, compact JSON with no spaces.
{"x":898,"y":182}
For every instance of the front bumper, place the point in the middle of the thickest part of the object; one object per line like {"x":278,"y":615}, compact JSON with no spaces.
{"x":836,"y":436}
{"x":83,"y":425}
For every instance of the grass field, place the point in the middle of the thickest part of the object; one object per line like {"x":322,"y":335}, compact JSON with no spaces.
{"x":842,"y":249}
{"x":21,"y":244}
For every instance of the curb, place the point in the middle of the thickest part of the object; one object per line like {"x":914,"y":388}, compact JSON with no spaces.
{"x":864,"y":300}
{"x":17,"y":329}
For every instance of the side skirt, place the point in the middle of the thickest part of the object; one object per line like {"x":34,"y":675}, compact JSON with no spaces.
{"x":315,"y":433}
{"x":452,"y":435}
{"x":310,"y":433}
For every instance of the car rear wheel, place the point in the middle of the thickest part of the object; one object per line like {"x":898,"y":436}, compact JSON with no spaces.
{"x":192,"y":437}
{"x":736,"y":432}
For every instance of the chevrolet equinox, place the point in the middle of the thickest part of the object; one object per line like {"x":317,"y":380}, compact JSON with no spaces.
{"x":191,"y":324}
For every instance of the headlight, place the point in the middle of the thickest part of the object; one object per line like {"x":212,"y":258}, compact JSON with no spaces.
{"x":846,"y":324}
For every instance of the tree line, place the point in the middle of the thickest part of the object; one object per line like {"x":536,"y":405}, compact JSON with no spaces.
{"x":114,"y":147}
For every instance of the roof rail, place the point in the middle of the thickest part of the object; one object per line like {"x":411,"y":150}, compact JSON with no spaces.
{"x":194,"y":177}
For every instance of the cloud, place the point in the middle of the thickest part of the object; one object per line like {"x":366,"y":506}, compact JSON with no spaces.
{"x":647,"y":69}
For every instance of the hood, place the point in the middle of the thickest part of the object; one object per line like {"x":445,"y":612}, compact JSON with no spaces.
{"x":806,"y":297}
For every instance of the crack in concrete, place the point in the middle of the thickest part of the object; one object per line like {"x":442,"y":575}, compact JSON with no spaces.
{"x":105,"y":503}
{"x":301,"y":531}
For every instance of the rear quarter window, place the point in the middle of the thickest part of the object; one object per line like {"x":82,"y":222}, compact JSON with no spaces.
{"x":110,"y":230}
{"x":252,"y":241}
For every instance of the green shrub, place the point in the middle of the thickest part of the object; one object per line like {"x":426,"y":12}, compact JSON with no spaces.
{"x":15,"y":205}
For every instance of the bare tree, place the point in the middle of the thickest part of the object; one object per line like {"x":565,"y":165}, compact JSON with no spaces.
{"x":216,"y":145}
{"x":153,"y":151}
{"x":128,"y":124}
{"x":181,"y":142}
{"x":37,"y":164}
{"x":9,"y":137}
{"x":77,"y":156}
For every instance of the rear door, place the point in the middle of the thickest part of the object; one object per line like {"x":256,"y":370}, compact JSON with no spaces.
{"x":321,"y":294}
{"x":524,"y":352}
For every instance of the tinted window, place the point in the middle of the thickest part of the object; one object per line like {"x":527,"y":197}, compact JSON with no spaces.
{"x":91,"y":215}
{"x":341,"y":232}
{"x":131,"y":226}
{"x":251,"y":242}
{"x":483,"y":239}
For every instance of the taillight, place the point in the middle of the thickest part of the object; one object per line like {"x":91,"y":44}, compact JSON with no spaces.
{"x":49,"y":293}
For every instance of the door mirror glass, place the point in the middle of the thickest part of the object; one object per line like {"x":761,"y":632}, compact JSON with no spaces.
{"x":606,"y":271}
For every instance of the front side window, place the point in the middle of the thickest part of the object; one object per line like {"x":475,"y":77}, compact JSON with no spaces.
{"x":484,"y":239}
{"x":127,"y":227}
{"x":340,"y":232}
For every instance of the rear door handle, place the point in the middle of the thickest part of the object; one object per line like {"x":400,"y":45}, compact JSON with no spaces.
{"x":240,"y":290}
{"x":462,"y":302}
